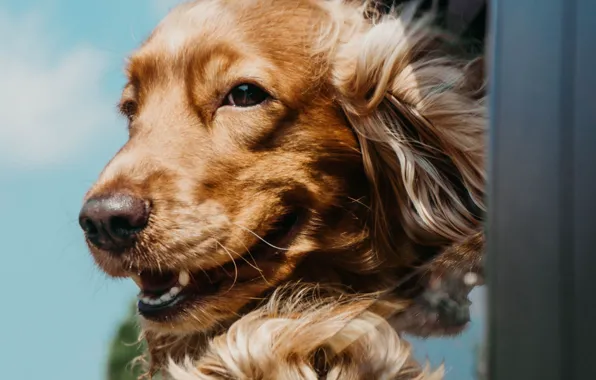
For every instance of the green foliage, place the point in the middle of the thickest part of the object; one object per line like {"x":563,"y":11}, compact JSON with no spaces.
{"x":125,"y":348}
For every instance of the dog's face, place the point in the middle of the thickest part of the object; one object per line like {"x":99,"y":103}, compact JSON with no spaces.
{"x":236,"y":154}
{"x":275,"y":140}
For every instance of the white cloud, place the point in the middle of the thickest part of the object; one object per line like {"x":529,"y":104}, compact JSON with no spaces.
{"x":161,"y":7}
{"x":51,"y":103}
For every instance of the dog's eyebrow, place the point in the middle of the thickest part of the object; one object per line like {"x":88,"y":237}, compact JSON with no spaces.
{"x":148,"y":67}
{"x":129,"y":91}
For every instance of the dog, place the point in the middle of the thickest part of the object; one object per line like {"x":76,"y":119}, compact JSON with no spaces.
{"x":296,"y":171}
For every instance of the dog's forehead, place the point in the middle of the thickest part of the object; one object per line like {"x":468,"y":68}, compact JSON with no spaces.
{"x":189,"y":31}
{"x":256,"y":37}
{"x":270,"y":22}
{"x":189,"y":22}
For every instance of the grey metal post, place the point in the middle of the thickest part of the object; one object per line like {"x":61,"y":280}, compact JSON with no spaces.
{"x":541,"y":260}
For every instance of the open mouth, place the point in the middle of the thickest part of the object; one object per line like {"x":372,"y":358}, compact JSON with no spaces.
{"x":166,"y":293}
{"x":162,"y":292}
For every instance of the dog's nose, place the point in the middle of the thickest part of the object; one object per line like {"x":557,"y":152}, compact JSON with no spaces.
{"x":113,"y":222}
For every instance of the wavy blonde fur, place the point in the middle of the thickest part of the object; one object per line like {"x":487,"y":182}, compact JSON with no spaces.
{"x":305,"y":336}
{"x":420,"y":117}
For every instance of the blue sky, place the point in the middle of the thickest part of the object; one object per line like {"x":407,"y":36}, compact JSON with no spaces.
{"x":61,"y":67}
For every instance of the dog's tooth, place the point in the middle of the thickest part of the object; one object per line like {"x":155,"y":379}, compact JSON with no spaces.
{"x":165,"y":297}
{"x":174,"y":291}
{"x":184,"y":278}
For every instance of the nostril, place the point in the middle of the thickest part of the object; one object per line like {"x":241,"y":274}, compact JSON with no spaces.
{"x":125,"y":226}
{"x":88,"y":226}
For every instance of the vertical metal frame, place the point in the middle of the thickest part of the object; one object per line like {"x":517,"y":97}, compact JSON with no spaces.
{"x":541,"y":260}
{"x":584,"y":195}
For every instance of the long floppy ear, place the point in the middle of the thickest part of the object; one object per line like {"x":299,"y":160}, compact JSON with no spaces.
{"x":420,"y":118}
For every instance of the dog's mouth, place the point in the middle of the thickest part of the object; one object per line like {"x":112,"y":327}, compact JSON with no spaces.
{"x":166,"y":293}
{"x":160,"y":291}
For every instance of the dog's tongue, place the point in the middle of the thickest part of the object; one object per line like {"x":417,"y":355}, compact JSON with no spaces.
{"x":158,"y":282}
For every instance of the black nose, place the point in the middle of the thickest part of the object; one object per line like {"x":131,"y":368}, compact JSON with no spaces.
{"x":113,"y":222}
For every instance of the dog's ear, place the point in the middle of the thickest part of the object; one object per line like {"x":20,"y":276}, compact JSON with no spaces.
{"x":420,"y":118}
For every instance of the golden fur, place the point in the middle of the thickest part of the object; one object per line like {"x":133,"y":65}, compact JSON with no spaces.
{"x":364,"y":165}
{"x":304,"y":336}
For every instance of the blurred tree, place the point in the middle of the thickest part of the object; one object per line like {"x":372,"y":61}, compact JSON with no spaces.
{"x":125,"y":349}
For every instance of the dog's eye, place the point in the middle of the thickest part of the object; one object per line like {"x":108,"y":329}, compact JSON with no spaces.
{"x":128,"y":108}
{"x":245,"y":95}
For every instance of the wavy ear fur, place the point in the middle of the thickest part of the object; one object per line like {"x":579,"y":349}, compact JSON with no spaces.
{"x":420,"y":118}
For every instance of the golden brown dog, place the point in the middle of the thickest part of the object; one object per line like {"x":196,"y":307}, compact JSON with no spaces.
{"x":277,"y":142}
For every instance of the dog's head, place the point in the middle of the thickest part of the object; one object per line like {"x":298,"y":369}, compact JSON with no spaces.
{"x":277,"y":140}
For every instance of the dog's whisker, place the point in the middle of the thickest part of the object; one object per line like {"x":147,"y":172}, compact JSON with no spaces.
{"x":203,"y":271}
{"x":259,"y":237}
{"x":219,"y":264}
{"x":256,"y":265}
{"x":235,"y":266}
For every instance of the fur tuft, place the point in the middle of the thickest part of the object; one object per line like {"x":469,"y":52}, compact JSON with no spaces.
{"x":420,"y":120}
{"x":305,"y":336}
